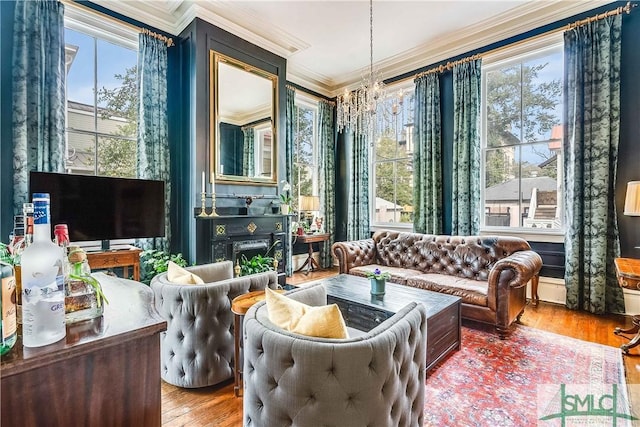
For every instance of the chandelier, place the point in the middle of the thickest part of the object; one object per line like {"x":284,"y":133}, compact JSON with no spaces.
{"x":357,"y":109}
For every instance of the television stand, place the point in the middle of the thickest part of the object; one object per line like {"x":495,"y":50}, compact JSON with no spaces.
{"x":117,"y":258}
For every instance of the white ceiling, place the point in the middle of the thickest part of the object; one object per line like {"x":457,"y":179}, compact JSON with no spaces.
{"x":326,"y":43}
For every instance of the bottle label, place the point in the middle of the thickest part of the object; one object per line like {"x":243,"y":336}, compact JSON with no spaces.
{"x":41,"y":212}
{"x":9,"y":324}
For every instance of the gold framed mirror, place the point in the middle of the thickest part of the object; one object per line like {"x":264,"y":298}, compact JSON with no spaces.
{"x":243,"y":117}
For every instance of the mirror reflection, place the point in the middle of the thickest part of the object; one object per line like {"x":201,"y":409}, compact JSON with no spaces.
{"x":244,"y":114}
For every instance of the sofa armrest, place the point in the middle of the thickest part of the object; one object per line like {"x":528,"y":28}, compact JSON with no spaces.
{"x":525,"y":266}
{"x":354,"y":253}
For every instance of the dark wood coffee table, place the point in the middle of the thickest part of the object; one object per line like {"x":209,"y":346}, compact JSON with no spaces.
{"x":363,"y":311}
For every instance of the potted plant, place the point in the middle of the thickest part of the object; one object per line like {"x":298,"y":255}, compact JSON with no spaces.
{"x":285,"y":198}
{"x":378,"y":281}
{"x":257,"y":263}
{"x":153,"y":262}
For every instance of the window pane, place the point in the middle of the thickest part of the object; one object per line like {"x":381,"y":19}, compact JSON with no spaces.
{"x":80,"y":56}
{"x":117,"y":157}
{"x":404,"y":190}
{"x":385,"y":207}
{"x":117,"y":89}
{"x":502,"y":187}
{"x":541,"y":97}
{"x":503,"y":106}
{"x":540,"y":171}
{"x":81,"y":153}
{"x":304,"y":155}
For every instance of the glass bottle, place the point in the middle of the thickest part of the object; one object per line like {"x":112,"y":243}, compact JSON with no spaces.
{"x":8,"y":323}
{"x":83,"y":294}
{"x":42,"y":282}
{"x":17,"y":246}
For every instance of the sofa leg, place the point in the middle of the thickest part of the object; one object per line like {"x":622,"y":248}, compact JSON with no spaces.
{"x":502,"y":332}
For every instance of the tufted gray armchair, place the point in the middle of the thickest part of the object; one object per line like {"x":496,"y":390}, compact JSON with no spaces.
{"x":376,"y":379}
{"x":197,"y":347}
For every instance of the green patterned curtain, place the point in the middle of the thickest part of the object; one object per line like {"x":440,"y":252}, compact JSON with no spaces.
{"x":358,"y":203}
{"x":427,"y":158}
{"x":327,"y":156}
{"x":39,"y":79}
{"x":290,"y":128}
{"x":592,"y":109}
{"x":248,"y":149}
{"x":153,"y":141}
{"x":466,"y":148}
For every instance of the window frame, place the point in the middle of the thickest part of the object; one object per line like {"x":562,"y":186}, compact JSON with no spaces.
{"x":302,"y":100}
{"x":91,"y":24}
{"x":502,"y":58}
{"x":407,"y":87}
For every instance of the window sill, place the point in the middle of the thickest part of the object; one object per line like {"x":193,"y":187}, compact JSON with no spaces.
{"x":392,"y":226}
{"x":556,"y":236}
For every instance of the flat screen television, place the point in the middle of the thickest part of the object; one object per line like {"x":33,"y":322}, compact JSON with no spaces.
{"x":103,"y":208}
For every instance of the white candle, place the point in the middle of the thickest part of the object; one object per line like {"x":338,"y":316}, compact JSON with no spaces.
{"x":203,"y":181}
{"x":212,"y":183}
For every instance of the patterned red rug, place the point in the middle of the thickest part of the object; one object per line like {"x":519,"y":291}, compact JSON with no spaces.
{"x":517,"y":381}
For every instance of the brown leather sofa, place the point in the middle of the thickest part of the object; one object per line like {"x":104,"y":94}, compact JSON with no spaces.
{"x":489,"y":273}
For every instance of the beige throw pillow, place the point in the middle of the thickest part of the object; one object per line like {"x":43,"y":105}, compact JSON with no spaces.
{"x":323,"y":322}
{"x":180,"y":276}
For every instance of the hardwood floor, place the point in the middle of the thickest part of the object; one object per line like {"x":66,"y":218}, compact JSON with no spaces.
{"x":217,"y":405}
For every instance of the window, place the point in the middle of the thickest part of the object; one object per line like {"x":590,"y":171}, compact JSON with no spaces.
{"x":102,"y":98}
{"x":522,"y":140}
{"x":392,"y":159}
{"x":305,"y":151}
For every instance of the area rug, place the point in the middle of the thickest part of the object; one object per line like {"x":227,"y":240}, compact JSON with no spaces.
{"x":517,"y":381}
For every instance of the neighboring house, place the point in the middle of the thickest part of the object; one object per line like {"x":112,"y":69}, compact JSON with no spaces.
{"x":386,"y":211}
{"x":502,"y":200}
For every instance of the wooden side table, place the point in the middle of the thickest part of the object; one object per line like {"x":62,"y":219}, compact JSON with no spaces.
{"x":628,"y":273}
{"x":118,"y":258}
{"x":239,"y":306}
{"x":310,"y":239}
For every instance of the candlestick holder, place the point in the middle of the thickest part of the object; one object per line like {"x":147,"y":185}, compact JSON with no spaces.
{"x":203,"y":205}
{"x":213,"y":205}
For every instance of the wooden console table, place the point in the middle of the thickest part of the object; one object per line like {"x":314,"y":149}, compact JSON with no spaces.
{"x":118,"y":258}
{"x":310,"y":239}
{"x":106,"y":372}
{"x":628,"y":273}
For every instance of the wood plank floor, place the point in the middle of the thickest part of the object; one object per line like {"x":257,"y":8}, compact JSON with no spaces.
{"x":217,"y":405}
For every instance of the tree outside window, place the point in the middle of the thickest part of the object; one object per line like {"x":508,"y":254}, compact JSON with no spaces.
{"x":305,"y":163}
{"x":393,"y":161}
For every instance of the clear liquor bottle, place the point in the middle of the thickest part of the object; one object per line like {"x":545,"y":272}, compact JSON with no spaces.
{"x":43,"y":320}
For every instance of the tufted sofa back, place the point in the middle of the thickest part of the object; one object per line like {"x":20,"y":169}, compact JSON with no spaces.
{"x":197,"y":348}
{"x":375,"y":380}
{"x":470,"y":257}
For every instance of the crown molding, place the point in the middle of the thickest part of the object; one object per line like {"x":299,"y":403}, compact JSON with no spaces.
{"x":224,"y":15}
{"x":517,"y":21}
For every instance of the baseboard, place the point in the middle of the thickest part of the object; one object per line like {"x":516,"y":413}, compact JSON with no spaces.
{"x":550,"y":290}
{"x":553,"y":290}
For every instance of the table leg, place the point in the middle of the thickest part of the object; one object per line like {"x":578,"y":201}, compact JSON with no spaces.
{"x":635,"y":341}
{"x":237,"y":336}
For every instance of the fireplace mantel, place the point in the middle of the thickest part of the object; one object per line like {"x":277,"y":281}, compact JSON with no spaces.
{"x":224,"y":237}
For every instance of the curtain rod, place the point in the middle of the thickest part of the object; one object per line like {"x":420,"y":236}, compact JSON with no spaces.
{"x":167,"y":40}
{"x":441,"y":68}
{"x":72,"y":3}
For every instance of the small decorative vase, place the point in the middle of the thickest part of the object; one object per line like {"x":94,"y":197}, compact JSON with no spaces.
{"x":377,"y":286}
{"x":284,"y":208}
